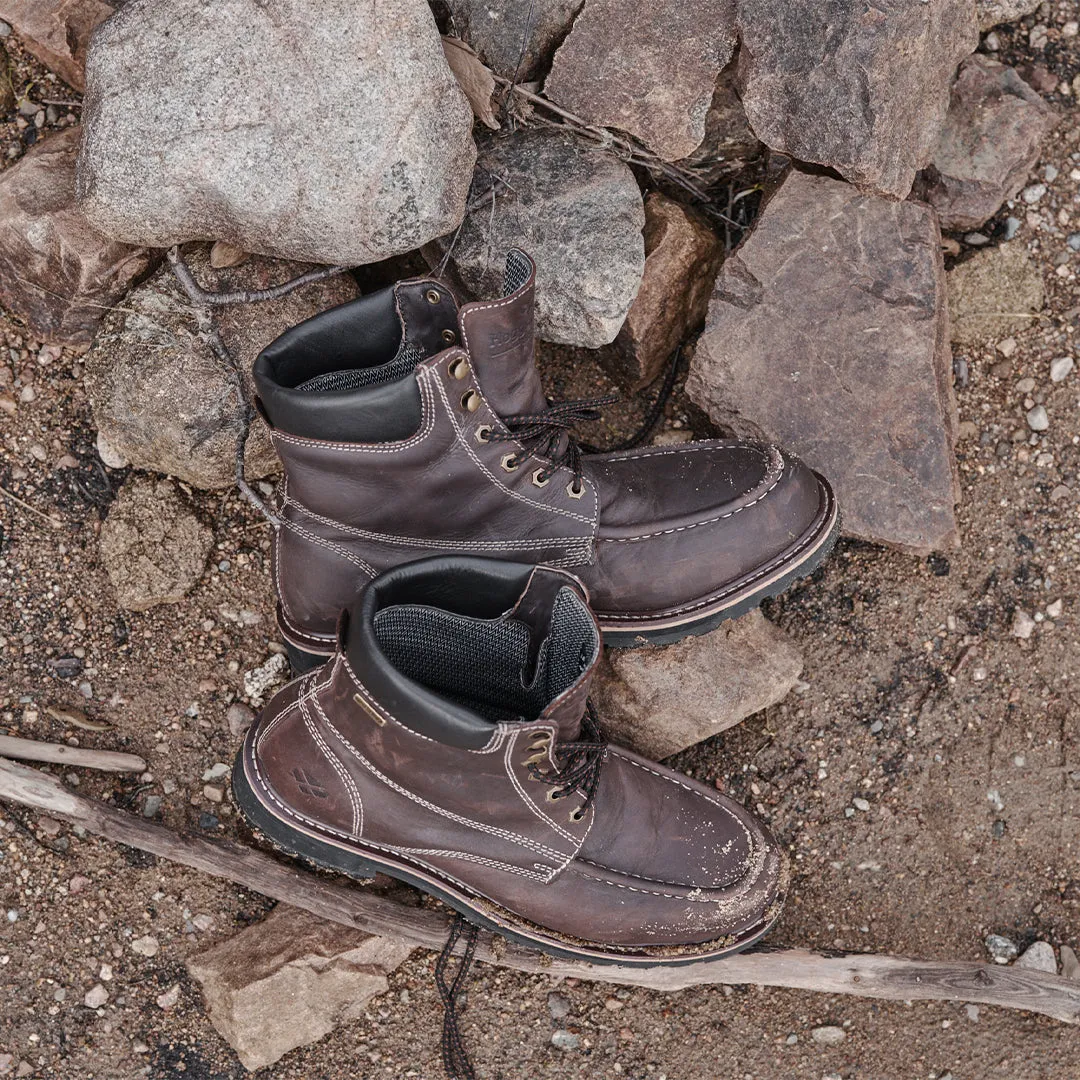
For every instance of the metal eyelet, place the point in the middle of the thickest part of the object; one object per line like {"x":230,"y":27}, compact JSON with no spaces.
{"x":449,"y":336}
{"x":577,"y":814}
{"x":470,"y":400}
{"x":459,"y":367}
{"x":575,"y":492}
{"x":539,"y":479}
{"x":541,"y":740}
{"x":553,"y":794}
{"x":433,"y":296}
{"x":510,"y":463}
{"x":483,"y":434}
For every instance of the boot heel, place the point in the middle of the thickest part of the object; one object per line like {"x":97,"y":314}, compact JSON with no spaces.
{"x":301,"y":661}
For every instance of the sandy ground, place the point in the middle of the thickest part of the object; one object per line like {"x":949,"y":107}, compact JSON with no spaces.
{"x":960,"y":736}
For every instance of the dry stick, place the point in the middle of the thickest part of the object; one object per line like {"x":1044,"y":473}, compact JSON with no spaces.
{"x":58,"y":754}
{"x":31,"y":509}
{"x":861,"y":975}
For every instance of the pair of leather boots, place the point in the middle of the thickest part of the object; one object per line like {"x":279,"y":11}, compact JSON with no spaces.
{"x":439,"y":730}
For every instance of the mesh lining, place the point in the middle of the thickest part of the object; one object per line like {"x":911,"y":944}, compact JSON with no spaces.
{"x":481,"y":663}
{"x":408,"y":356}
{"x":516,"y":273}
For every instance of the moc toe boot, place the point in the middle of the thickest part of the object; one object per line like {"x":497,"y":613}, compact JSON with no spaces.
{"x":449,"y":743}
{"x":408,"y":427}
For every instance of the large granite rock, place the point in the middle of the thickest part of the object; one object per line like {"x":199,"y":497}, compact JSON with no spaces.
{"x":57,"y":31}
{"x":577,"y":210}
{"x":153,"y":545}
{"x":514,"y":38}
{"x":996,"y":291}
{"x":160,"y":397}
{"x":661,"y":700}
{"x":291,"y":979}
{"x":682,"y":256}
{"x":828,"y":331}
{"x":653,"y":77}
{"x":324,"y":132}
{"x":862,"y":88}
{"x":988,"y":146}
{"x":57,"y":271}
{"x":994,"y":12}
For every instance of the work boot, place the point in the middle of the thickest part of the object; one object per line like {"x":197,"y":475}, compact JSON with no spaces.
{"x":408,"y":427}
{"x":450,"y":743}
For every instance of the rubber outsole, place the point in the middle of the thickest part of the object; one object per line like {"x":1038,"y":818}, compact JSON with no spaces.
{"x":327,"y":856}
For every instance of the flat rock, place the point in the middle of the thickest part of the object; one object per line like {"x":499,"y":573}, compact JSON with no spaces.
{"x":577,"y":211}
{"x":861,"y":88}
{"x":159,"y":395}
{"x":57,"y":31}
{"x":828,"y":332}
{"x":324,"y":132}
{"x":653,"y":77}
{"x":661,"y":700}
{"x":57,"y":271}
{"x":993,"y":293}
{"x":682,"y":256}
{"x":153,"y":545}
{"x":289,"y":980}
{"x":988,"y":146}
{"x":507,"y":39}
{"x":992,"y":13}
{"x":1039,"y":956}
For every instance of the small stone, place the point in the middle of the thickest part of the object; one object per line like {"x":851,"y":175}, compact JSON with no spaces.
{"x":1033,"y":193}
{"x":1038,"y":956}
{"x":109,"y":455}
{"x":106,"y":973}
{"x":792,"y":1040}
{"x":1012,"y":227}
{"x":1025,"y":386}
{"x":169,"y":999}
{"x":876,"y":727}
{"x":1038,"y":419}
{"x":216,"y":771}
{"x":860,"y":804}
{"x":1061,"y":368}
{"x":214,"y":794}
{"x":96,"y":996}
{"x":565,"y":1040}
{"x":203,"y":922}
{"x":1001,"y":949}
{"x":239,"y":718}
{"x":1070,"y":964}
{"x":1054,"y":609}
{"x":972,"y":1012}
{"x":77,"y":884}
{"x":145,"y":946}
{"x":1073,"y":240}
{"x":829,"y":1035}
{"x":558,"y":1005}
{"x":1007,"y":347}
{"x":152,"y":806}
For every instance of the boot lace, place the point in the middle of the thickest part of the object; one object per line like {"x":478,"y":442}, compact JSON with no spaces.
{"x":579,"y":762}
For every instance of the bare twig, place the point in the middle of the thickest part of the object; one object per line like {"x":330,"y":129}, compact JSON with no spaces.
{"x":58,"y":754}
{"x":253,"y":296}
{"x":31,"y":509}
{"x":862,"y":975}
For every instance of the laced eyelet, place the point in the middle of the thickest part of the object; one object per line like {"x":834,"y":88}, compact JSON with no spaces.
{"x":577,"y":814}
{"x":449,"y":336}
{"x":470,"y":400}
{"x":510,"y":463}
{"x":552,"y":794}
{"x":483,"y":434}
{"x":539,"y":479}
{"x":433,"y":296}
{"x":575,"y":492}
{"x":459,"y":367}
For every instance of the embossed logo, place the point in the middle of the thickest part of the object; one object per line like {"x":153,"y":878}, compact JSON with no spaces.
{"x":508,"y":340}
{"x":309,"y":785}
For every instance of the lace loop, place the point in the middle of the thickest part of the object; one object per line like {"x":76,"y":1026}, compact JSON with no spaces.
{"x":578,"y":762}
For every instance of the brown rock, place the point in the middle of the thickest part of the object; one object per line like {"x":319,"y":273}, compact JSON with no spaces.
{"x":289,"y":980}
{"x":648,"y":69}
{"x":989,"y":144}
{"x":159,"y":395}
{"x":661,"y":700}
{"x":57,"y":271}
{"x":828,"y":331}
{"x":862,"y":88}
{"x":993,"y":293}
{"x":994,"y":12}
{"x":7,"y":88}
{"x":153,"y":545}
{"x":682,"y":256}
{"x":57,"y":31}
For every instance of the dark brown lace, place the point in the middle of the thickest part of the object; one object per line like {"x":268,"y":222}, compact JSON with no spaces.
{"x":455,"y":1059}
{"x":579,"y":761}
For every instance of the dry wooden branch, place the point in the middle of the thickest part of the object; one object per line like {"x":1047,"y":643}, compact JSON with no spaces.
{"x":58,"y":754}
{"x":862,"y":975}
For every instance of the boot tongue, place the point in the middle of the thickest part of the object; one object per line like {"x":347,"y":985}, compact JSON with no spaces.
{"x":500,"y":337}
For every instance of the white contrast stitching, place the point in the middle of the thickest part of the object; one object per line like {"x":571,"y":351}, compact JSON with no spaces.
{"x":508,"y":763}
{"x":337,"y":766}
{"x":320,"y":541}
{"x":687,"y":448}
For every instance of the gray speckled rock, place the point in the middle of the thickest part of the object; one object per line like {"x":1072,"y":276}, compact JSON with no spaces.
{"x":828,"y":332}
{"x":324,"y":132}
{"x":497,"y":30}
{"x":994,"y":12}
{"x":160,"y":397}
{"x":653,"y":77}
{"x":862,"y":88}
{"x":988,"y":146}
{"x":578,"y":212}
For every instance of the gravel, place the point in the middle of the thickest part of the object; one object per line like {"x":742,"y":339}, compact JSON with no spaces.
{"x":829,"y":1035}
{"x":1001,"y":949}
{"x":1061,"y":368}
{"x":1037,"y":418}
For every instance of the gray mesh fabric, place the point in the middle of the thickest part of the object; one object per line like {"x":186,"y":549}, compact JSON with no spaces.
{"x":482,"y":663}
{"x":408,"y":356}
{"x":516,"y":273}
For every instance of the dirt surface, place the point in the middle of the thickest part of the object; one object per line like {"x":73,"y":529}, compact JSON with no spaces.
{"x":918,"y":699}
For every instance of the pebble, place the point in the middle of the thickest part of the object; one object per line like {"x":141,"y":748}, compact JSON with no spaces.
{"x":203,"y":922}
{"x":876,"y":726}
{"x":1023,"y":625}
{"x":169,"y":998}
{"x":1073,"y":240}
{"x":792,"y":1040}
{"x":216,"y":771}
{"x":214,"y":794}
{"x":565,"y":1040}
{"x":110,"y":456}
{"x":1038,"y":957}
{"x":976,"y":239}
{"x":96,"y":996}
{"x":239,"y":718}
{"x":558,"y":1006}
{"x":5,"y":29}
{"x":1012,"y":227}
{"x":829,"y":1035}
{"x":1061,"y":368}
{"x":1050,"y":173}
{"x":145,"y":946}
{"x":1070,"y":965}
{"x":1025,"y":386}
{"x":1007,"y":347}
{"x":1033,"y":193}
{"x":1037,"y":418}
{"x":1054,"y":609}
{"x":152,"y":806}
{"x":860,"y":804}
{"x":972,"y":1012}
{"x":1001,"y":949}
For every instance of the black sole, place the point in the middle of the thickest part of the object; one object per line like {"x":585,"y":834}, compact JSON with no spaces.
{"x":329,"y":857}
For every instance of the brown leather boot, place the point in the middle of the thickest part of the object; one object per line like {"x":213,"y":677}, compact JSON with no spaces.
{"x":390,"y":456}
{"x":449,"y":743}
